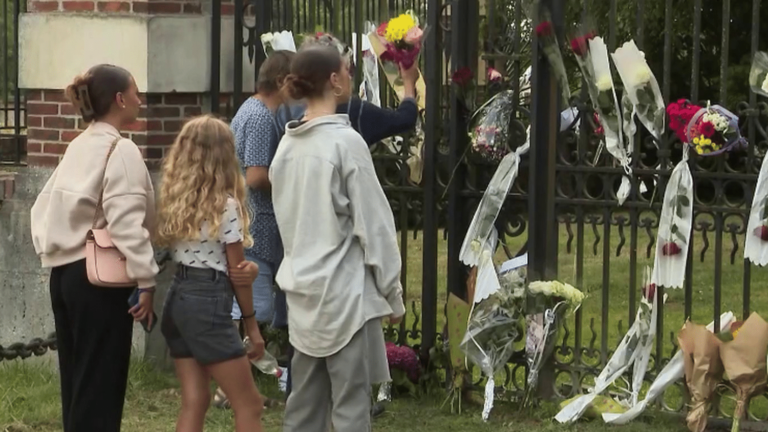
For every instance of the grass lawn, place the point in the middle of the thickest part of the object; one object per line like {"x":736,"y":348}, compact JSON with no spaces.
{"x":29,"y":401}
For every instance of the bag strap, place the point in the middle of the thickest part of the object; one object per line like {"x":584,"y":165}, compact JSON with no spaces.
{"x":99,"y":209}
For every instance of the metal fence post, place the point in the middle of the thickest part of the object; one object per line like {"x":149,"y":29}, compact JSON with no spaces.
{"x":542,"y":229}
{"x":433,"y":71}
{"x":457,"y":223}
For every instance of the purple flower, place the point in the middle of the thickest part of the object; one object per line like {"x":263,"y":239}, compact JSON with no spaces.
{"x":405,"y":359}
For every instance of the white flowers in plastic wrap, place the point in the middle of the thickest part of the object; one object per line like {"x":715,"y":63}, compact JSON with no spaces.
{"x":493,"y":328}
{"x":671,"y":373}
{"x":547,"y":304}
{"x":278,"y":41}
{"x":756,"y":245}
{"x":634,"y":349}
{"x":641,"y":87}
{"x":758,"y":75}
{"x":609,"y":111}
{"x":674,"y":227}
{"x":493,"y":198}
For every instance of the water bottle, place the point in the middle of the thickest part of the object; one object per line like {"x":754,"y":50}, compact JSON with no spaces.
{"x":267,"y":363}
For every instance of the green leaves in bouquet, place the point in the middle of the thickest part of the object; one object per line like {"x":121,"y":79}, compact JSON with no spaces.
{"x":680,"y":203}
{"x":401,"y":382}
{"x":608,"y":110}
{"x":645,"y":96}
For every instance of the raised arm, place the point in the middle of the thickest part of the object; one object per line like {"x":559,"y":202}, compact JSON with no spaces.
{"x":375,"y":123}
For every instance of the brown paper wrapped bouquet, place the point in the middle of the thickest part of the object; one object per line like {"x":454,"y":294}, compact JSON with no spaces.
{"x":744,"y":360}
{"x":703,"y":371}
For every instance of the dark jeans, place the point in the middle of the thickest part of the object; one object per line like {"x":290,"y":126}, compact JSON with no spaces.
{"x":93,"y":332}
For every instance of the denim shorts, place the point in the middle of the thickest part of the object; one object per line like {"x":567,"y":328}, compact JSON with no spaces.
{"x":196,"y":319}
{"x":263,"y":294}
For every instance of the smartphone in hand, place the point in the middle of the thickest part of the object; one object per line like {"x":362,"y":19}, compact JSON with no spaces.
{"x":133,"y":300}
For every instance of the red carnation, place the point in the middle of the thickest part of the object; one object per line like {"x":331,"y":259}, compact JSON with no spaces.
{"x":649,"y":291}
{"x":599,"y":127}
{"x":680,"y":114}
{"x":707,"y":129}
{"x":762,"y":232}
{"x":580,"y":45}
{"x":670,"y":249}
{"x":462,"y":76}
{"x":544,"y":29}
{"x":382,"y":30}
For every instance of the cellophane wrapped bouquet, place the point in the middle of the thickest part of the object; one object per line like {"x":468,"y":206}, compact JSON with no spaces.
{"x":634,"y":349}
{"x":278,"y":41}
{"x":495,"y":325}
{"x":641,"y":87}
{"x":545,"y":32}
{"x":709,"y":131}
{"x":758,"y":75}
{"x":489,"y":132}
{"x":402,"y":37}
{"x":546,"y":305}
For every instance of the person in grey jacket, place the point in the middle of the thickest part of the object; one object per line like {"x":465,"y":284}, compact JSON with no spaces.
{"x":341,"y":267}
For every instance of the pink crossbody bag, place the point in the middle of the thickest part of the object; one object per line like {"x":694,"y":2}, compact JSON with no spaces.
{"x":103,"y":261}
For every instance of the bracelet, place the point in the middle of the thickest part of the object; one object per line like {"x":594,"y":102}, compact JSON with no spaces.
{"x":146,"y":290}
{"x":245,"y":317}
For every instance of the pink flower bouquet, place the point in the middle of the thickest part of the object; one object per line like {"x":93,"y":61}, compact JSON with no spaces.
{"x":401,"y":36}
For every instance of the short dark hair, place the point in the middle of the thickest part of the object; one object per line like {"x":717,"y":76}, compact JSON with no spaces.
{"x":94,"y":92}
{"x":311,"y":69}
{"x":273,"y":71}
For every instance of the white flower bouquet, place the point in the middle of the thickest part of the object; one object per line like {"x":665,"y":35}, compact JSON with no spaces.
{"x":756,"y":245}
{"x":758,"y":75}
{"x":634,"y":349}
{"x":641,"y":87}
{"x":674,"y":227}
{"x":495,"y":325}
{"x":493,"y":198}
{"x":278,"y":41}
{"x":547,"y":303}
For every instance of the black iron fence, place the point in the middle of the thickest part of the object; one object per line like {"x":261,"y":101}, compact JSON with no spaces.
{"x":565,"y":209}
{"x":12,"y":109}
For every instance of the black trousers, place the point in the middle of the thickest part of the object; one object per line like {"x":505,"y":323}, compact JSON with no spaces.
{"x":94,"y":332}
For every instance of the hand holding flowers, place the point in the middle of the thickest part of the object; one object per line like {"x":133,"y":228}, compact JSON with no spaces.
{"x":402,"y":38}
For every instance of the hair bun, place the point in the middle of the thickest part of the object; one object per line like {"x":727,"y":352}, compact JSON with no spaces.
{"x":299,"y":88}
{"x":79,"y":96}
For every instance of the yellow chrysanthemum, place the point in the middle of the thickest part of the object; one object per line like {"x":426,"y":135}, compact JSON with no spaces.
{"x":398,"y":27}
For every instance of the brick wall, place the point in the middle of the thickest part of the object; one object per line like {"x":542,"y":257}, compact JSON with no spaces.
{"x":52,"y":122}
{"x":127,"y":6}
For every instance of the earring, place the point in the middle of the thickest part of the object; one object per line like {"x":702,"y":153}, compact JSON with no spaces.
{"x":341,"y":91}
{"x":123,"y":106}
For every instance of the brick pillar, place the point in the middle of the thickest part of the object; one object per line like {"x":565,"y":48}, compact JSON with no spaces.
{"x":169,"y":58}
{"x":53,"y":122}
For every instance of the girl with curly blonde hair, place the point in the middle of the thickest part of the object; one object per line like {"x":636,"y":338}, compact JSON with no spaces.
{"x":201,"y":218}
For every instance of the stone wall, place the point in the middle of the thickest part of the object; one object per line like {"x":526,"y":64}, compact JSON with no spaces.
{"x":166,"y":46}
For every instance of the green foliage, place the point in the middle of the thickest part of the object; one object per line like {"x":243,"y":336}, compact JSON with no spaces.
{"x":653,"y":19}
